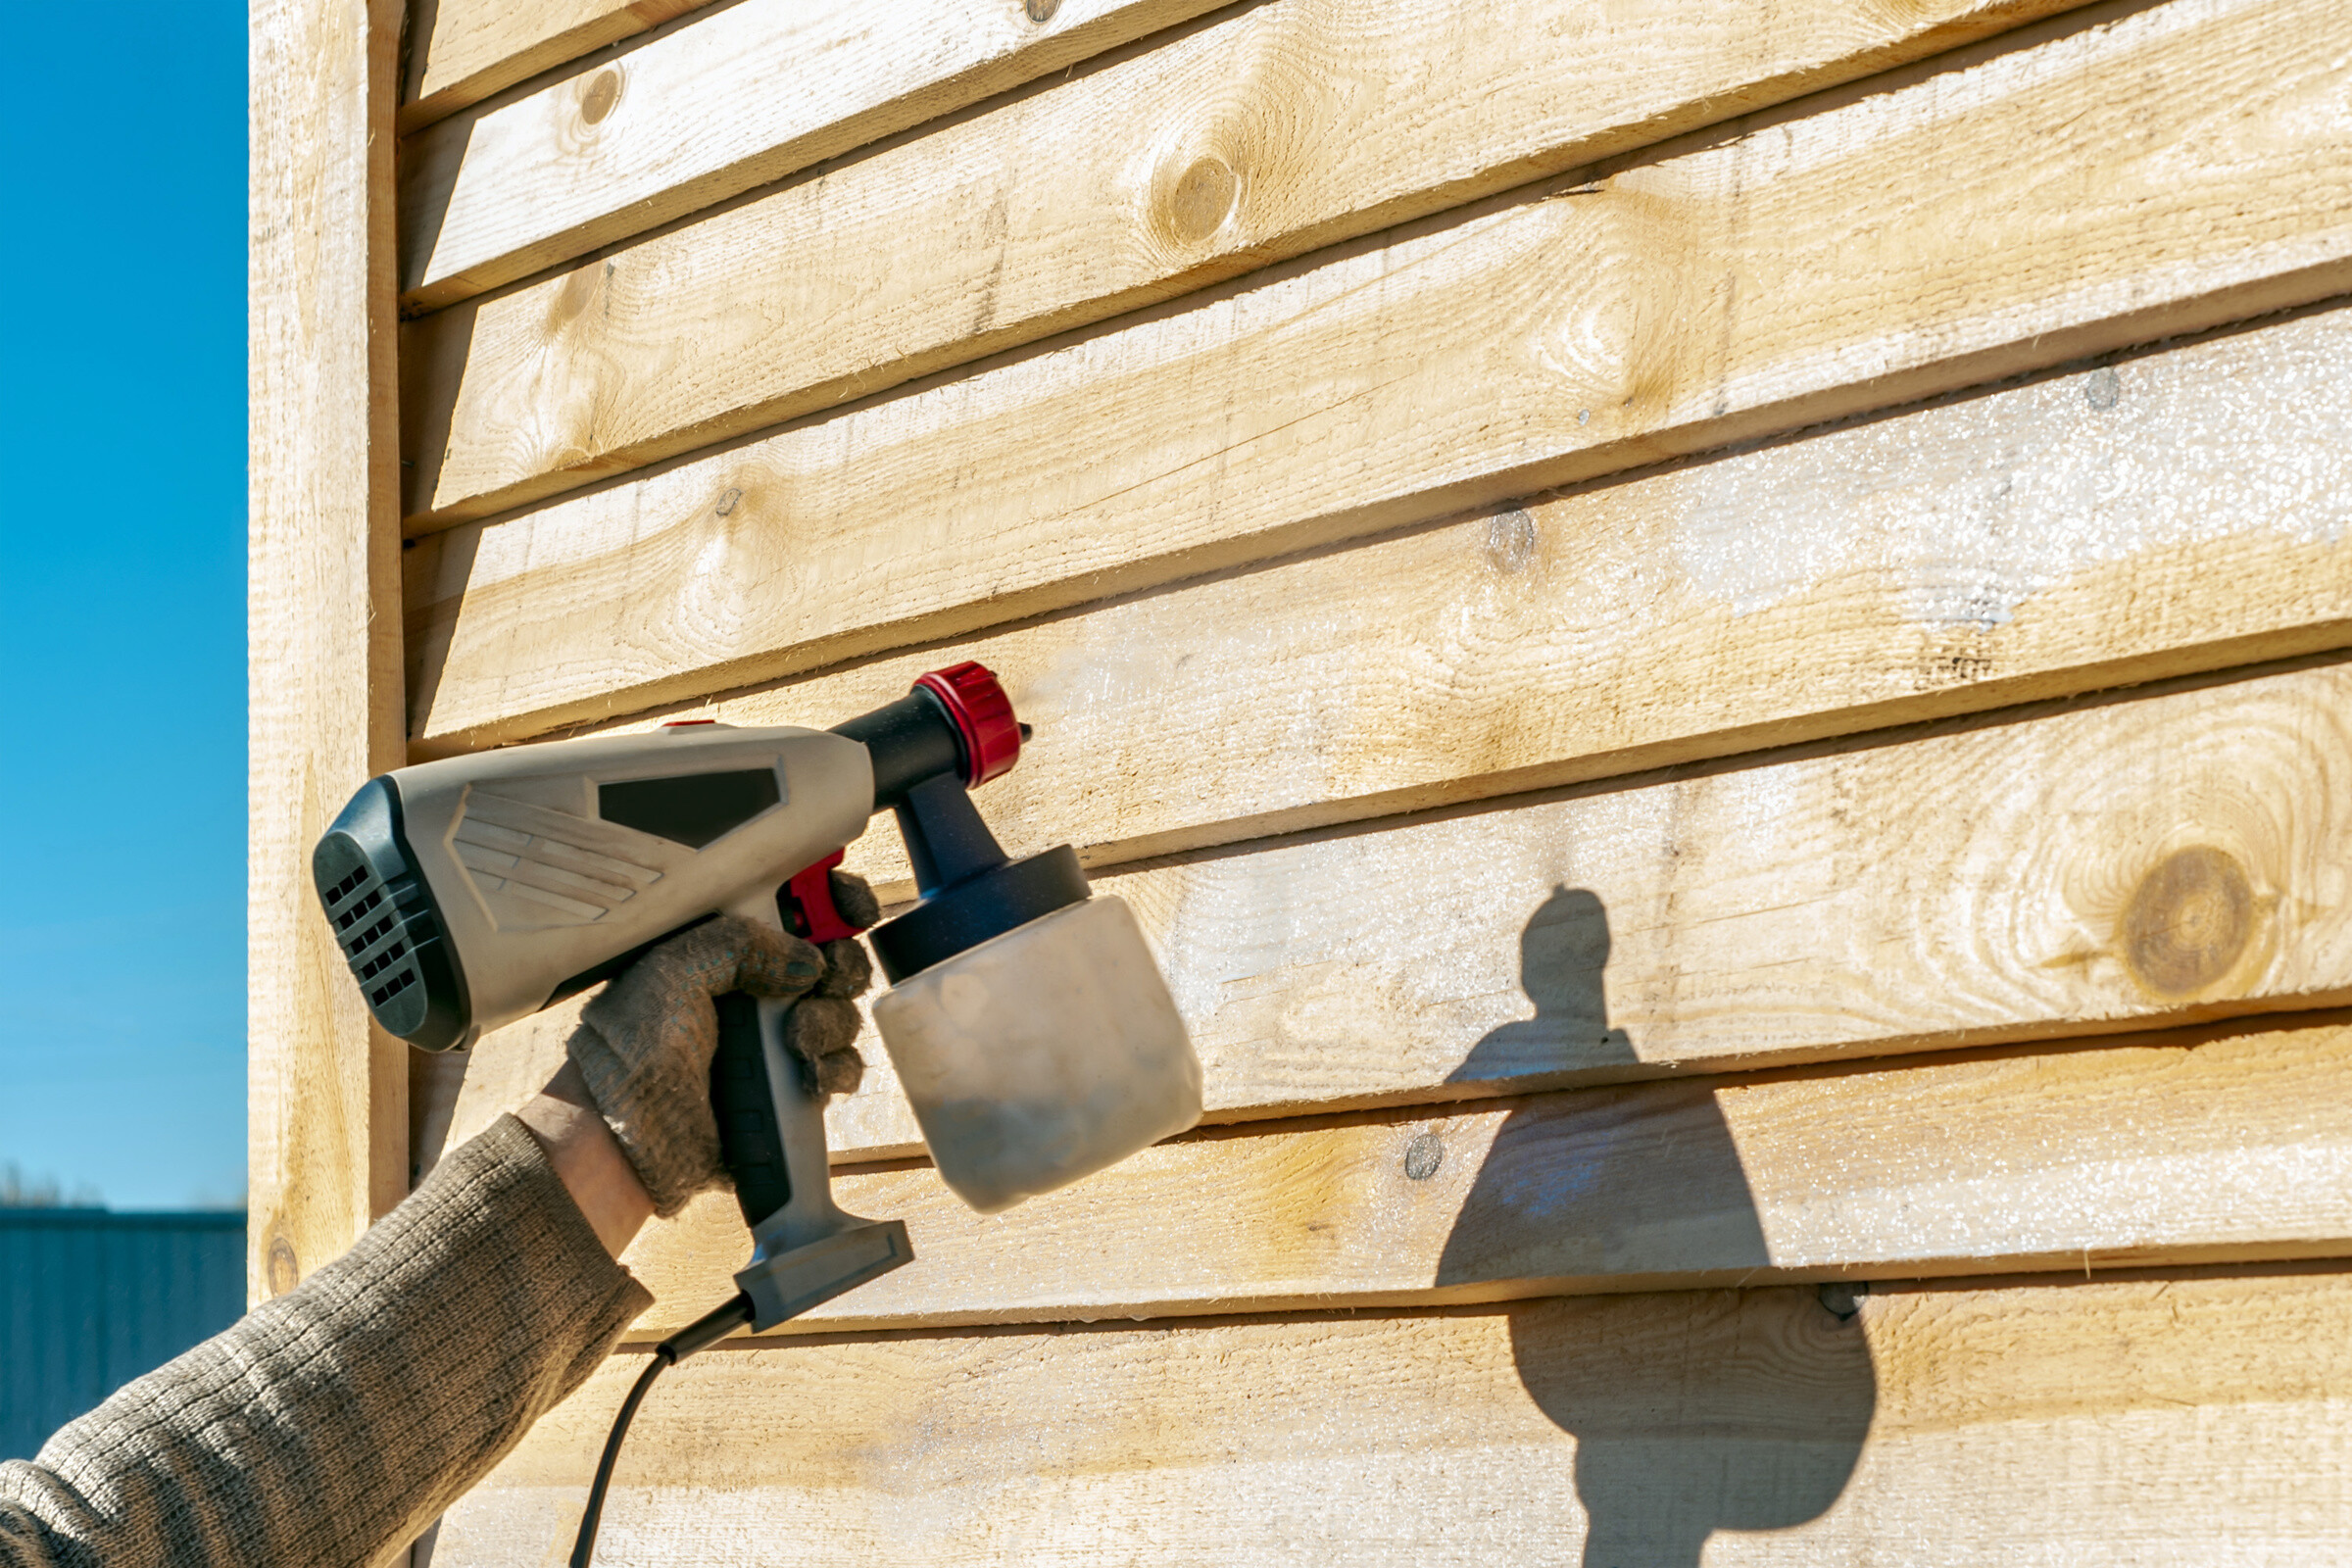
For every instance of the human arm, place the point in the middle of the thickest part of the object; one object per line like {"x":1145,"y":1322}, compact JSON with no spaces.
{"x":331,"y":1424}
{"x":585,"y":1147}
{"x":336,"y":1421}
{"x":588,"y":1159}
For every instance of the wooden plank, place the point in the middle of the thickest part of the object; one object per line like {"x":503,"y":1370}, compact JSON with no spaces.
{"x":749,"y":94}
{"x":328,"y":1122}
{"x":463,"y":51}
{"x":1299,"y":123}
{"x":2168,"y":858}
{"x":2044,"y":539}
{"x":1785,"y":273}
{"x":2039,"y":541}
{"x":2225,"y":1144}
{"x":2182,"y":1418}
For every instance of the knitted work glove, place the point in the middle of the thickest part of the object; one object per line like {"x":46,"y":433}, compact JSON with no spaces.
{"x":823,"y":1028}
{"x":645,"y":1042}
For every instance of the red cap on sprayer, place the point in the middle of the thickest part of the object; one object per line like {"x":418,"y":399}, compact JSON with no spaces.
{"x":983,"y":715}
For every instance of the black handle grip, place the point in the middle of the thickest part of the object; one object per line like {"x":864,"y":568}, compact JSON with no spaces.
{"x":750,"y":1143}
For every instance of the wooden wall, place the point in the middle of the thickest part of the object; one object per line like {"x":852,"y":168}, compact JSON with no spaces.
{"x":1711,"y":639}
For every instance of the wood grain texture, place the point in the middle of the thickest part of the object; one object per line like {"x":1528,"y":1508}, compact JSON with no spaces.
{"x":329,"y":1123}
{"x":750,"y":93}
{"x":1779,"y":274}
{"x":463,"y":51}
{"x":2183,"y":1418}
{"x":2225,"y":1144}
{"x":2187,"y":510}
{"x":1279,"y":130}
{"x":2163,"y":859}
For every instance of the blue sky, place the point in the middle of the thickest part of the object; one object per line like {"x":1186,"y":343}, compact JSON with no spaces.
{"x":123,"y":603}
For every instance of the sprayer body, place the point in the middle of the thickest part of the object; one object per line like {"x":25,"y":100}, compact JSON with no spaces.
{"x":473,"y":891}
{"x":1029,"y":1024}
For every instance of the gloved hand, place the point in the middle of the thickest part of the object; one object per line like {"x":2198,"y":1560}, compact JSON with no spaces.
{"x":645,"y":1042}
{"x":823,"y":1028}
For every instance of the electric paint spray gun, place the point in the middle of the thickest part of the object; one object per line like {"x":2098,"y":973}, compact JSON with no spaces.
{"x":1031,"y":1030}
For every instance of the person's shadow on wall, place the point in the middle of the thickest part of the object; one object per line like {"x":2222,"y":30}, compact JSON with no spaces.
{"x":1728,"y":1409}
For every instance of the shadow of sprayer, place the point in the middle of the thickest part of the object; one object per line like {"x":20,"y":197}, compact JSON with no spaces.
{"x":1692,"y":1411}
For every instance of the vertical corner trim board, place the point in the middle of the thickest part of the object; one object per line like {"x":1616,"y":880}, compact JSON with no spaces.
{"x":2162,"y":860}
{"x":746,"y":95}
{"x":1276,"y":131}
{"x":463,"y":51}
{"x":1793,"y":272}
{"x":2224,"y":1143}
{"x":328,"y":1138}
{"x":2192,"y":1416}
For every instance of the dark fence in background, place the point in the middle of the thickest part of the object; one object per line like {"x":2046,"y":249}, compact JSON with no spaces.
{"x":90,"y":1299}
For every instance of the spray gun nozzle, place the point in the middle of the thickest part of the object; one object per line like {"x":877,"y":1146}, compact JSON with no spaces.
{"x":953,"y":732}
{"x":957,"y":722}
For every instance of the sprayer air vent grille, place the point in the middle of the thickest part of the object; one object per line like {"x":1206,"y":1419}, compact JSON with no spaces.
{"x":378,"y":954}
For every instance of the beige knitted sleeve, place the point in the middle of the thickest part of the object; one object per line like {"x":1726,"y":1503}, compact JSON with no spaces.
{"x":332,"y":1424}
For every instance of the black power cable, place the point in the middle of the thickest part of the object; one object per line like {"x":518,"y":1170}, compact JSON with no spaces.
{"x":703,"y":1330}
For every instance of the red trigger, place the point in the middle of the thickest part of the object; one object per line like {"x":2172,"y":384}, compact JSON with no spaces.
{"x":807,"y":902}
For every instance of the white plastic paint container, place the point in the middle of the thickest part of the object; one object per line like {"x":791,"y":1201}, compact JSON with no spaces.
{"x":1042,"y":1055}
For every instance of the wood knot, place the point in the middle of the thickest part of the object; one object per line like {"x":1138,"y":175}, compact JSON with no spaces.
{"x":1041,"y":10}
{"x":579,"y":287}
{"x":2188,"y":921}
{"x":602,"y":94}
{"x":1510,"y":541}
{"x":283,"y":1270}
{"x":1422,"y":1158}
{"x":1203,"y":198}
